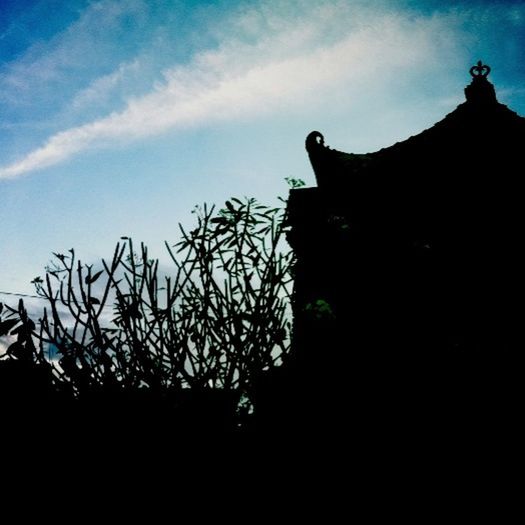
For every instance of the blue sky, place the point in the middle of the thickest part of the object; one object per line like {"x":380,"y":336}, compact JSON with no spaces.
{"x":117,"y":117}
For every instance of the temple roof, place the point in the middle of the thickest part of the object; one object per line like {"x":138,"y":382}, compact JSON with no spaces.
{"x":481,"y":127}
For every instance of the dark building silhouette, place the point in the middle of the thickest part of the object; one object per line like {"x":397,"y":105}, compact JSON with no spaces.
{"x":408,"y":281}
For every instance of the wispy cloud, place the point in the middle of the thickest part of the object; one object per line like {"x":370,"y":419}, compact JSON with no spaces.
{"x":266,"y":62}
{"x":84,"y":47}
{"x":99,"y":90}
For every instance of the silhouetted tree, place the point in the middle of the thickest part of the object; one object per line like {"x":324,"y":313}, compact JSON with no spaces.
{"x":222,"y":316}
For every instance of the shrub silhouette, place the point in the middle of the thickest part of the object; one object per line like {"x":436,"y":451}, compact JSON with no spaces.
{"x":189,"y":344}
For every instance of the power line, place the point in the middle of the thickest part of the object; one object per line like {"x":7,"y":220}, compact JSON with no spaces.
{"x":16,"y":294}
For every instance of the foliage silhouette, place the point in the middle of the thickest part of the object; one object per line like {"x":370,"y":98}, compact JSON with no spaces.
{"x":194,"y":341}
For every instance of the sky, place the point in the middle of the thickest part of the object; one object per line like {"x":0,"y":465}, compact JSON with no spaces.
{"x":117,"y":117}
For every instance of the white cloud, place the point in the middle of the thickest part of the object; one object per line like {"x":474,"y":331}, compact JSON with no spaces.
{"x":268,"y":61}
{"x":86,"y":44}
{"x":101,"y":87}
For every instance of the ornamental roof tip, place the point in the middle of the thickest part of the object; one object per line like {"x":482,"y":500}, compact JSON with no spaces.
{"x":480,"y":90}
{"x":480,"y":120}
{"x":480,"y":70}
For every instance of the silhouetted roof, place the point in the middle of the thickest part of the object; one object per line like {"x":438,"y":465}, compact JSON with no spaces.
{"x":477,"y":129}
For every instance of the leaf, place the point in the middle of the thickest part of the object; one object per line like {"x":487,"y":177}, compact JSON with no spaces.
{"x":295,"y":183}
{"x":19,"y":351}
{"x":94,"y":300}
{"x":5,"y":326}
{"x":219,"y":220}
{"x":93,"y":278}
{"x":24,"y":329}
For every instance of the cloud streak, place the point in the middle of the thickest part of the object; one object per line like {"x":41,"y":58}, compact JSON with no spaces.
{"x":61,"y":63}
{"x":265,"y":63}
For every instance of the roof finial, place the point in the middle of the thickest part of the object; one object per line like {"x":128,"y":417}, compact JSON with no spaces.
{"x":480,"y":90}
{"x":480,"y":70}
